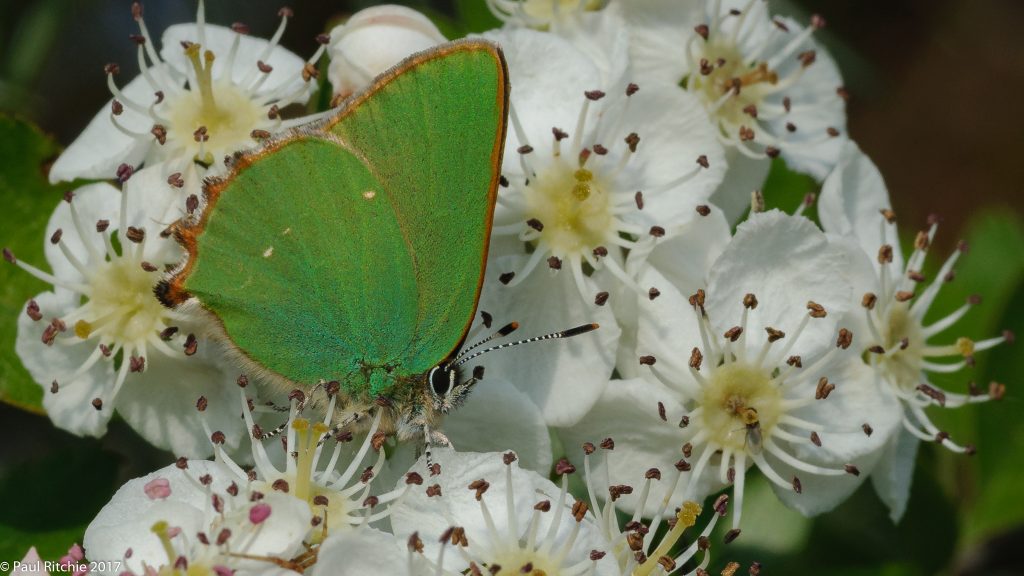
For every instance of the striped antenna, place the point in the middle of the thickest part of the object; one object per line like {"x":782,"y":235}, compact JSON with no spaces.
{"x":503,"y":331}
{"x":463,"y":358}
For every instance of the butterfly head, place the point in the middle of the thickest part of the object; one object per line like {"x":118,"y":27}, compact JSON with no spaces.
{"x":447,"y":389}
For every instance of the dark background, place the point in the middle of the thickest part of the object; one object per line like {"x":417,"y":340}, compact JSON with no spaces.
{"x":936,"y":102}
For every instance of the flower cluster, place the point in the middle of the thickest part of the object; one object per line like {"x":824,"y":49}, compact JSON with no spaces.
{"x":337,"y":506}
{"x":732,"y":339}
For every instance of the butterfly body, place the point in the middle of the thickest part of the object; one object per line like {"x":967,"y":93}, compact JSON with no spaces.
{"x":352,"y":250}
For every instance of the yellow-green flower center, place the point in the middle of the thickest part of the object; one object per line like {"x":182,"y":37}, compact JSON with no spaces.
{"x":903,"y":340}
{"x":121,"y":304}
{"x":728,"y":72}
{"x":302,"y":485}
{"x":215,"y":116}
{"x":525,"y":562}
{"x":737,"y":398}
{"x":573,"y":205}
{"x":549,"y":10}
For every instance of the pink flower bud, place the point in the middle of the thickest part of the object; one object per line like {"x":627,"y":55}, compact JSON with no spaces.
{"x":157,"y":489}
{"x":259,"y":513}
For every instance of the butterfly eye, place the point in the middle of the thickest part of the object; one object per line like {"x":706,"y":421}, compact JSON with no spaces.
{"x":441,"y":380}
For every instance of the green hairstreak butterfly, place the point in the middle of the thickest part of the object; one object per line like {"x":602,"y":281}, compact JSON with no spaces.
{"x":354,"y":250}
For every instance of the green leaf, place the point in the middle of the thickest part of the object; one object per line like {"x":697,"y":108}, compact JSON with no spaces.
{"x":984,"y":487}
{"x":48,"y":501}
{"x":992,"y":268}
{"x":768,"y":526}
{"x":28,"y":202}
{"x":474,"y":16}
{"x":1000,"y":437}
{"x":786,"y":190}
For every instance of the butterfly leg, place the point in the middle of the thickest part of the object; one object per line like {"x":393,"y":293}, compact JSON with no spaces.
{"x":299,"y":408}
{"x":433,"y":438}
{"x":268,"y":435}
{"x":349,"y":420}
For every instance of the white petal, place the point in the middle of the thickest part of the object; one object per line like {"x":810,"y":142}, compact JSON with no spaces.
{"x":818,"y":494}
{"x":685,"y":258}
{"x":562,"y":377}
{"x":152,"y":203}
{"x":283,"y":532}
{"x":895,"y":472}
{"x":550,"y":78}
{"x":160,"y":404}
{"x":93,"y":202}
{"x":660,"y":113}
{"x":457,"y":505}
{"x":362,"y":551}
{"x":744,"y":175}
{"x":511,"y":419}
{"x":667,"y":329}
{"x":624,"y":302}
{"x":785,"y":261}
{"x":856,"y":400}
{"x":71,"y":407}
{"x":757,"y":27}
{"x":287,"y":67}
{"x":861,"y":274}
{"x":101,"y":147}
{"x":642,"y":439}
{"x":126,"y":520}
{"x":816,"y":107}
{"x":851,"y":200}
{"x":603,"y":37}
{"x":659,"y":31}
{"x":677,"y":265}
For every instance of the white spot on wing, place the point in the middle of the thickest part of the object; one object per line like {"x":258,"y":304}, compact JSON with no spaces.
{"x":369,"y":194}
{"x":268,"y":252}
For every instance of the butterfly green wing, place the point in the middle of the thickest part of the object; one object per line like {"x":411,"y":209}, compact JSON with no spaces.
{"x":434,"y":139}
{"x":355,"y":251}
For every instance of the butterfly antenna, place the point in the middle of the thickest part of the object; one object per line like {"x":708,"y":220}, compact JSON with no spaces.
{"x":503,"y":331}
{"x":552,"y":336}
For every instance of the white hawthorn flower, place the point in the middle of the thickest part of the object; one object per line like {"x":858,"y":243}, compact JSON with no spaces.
{"x":645,"y":548}
{"x":100,"y":342}
{"x":748,"y":369}
{"x":894,"y":297}
{"x":494,"y":517}
{"x":499,"y":517}
{"x":587,"y":175}
{"x":192,"y":517}
{"x":209,"y":91}
{"x":335,"y":481}
{"x":372,"y":41}
{"x":764,"y":81}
